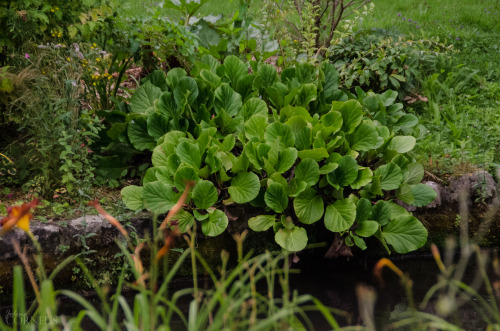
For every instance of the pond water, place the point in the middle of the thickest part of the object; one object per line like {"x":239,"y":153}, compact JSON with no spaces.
{"x":334,"y":281}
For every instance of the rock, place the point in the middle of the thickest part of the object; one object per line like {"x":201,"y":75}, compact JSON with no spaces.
{"x":479,"y":186}
{"x":439,"y":191}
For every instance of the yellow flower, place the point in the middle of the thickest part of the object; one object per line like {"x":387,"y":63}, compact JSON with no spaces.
{"x":98,"y":59}
{"x":94,"y":83}
{"x":52,"y":10}
{"x":94,"y":45}
{"x":68,"y":59}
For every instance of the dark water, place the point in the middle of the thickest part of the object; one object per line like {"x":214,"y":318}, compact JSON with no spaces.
{"x":334,"y":283}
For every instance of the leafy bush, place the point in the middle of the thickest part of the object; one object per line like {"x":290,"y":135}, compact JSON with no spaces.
{"x":295,"y":146}
{"x":47,"y":132}
{"x":33,"y":20}
{"x":376,"y":60}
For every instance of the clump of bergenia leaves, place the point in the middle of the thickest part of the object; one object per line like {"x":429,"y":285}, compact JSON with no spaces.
{"x":293,"y":144}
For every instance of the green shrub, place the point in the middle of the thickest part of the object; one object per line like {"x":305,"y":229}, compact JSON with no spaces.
{"x":295,"y":146}
{"x":49,"y":20}
{"x":376,"y":60}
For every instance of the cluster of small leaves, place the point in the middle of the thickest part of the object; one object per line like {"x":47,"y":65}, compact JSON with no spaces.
{"x":373,"y":60}
{"x":294,"y":145}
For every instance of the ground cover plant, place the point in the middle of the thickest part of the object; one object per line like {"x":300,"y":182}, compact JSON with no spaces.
{"x":302,"y":155}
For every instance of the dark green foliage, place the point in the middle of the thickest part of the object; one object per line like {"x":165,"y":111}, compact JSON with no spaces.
{"x":295,"y":141}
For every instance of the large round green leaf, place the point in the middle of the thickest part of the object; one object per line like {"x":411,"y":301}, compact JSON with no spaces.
{"x":292,"y":240}
{"x":234,"y":68}
{"x":308,"y":206}
{"x":215,"y":224}
{"x":340,"y":216}
{"x":276,"y":197}
{"x":422,"y":194}
{"x":367,"y":228}
{"x":184,"y":220}
{"x":138,"y":134}
{"x":278,"y":129}
{"x":244,"y":187}
{"x":204,"y":194}
{"x":159,"y":197}
{"x":142,"y":102}
{"x":157,"y":125}
{"x":390,"y":176}
{"x":229,"y":100}
{"x":255,"y":127}
{"x":365,"y":176}
{"x":364,"y":137}
{"x":286,"y":159}
{"x":346,"y":173}
{"x":185,"y":91}
{"x":132,"y":196}
{"x":166,"y":105}
{"x":261,"y":222}
{"x":405,"y":234}
{"x":402,"y":144}
{"x":363,"y":210}
{"x":308,"y":171}
{"x":254,"y":106}
{"x":414,"y":173}
{"x":183,"y":175}
{"x":381,"y":212}
{"x":189,"y":153}
{"x":316,"y":154}
{"x":352,"y":115}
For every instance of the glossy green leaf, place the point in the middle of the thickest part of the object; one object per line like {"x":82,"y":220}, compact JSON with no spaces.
{"x":204,"y":194}
{"x":254,"y":106}
{"x":261,"y":222}
{"x":159,"y":197}
{"x":402,"y":144}
{"x":244,"y":187}
{"x":381,"y":213}
{"x":138,"y":134}
{"x":390,"y":176}
{"x":183,"y":175}
{"x":423,"y":195}
{"x":286,"y":159}
{"x":234,"y":68}
{"x":308,"y":206}
{"x":229,"y":100}
{"x":189,"y":153}
{"x":363,"y":210}
{"x":277,"y":129}
{"x":340,"y":216}
{"x":405,"y":234}
{"x":184,"y":219}
{"x":307,"y":171}
{"x":255,"y":127}
{"x":157,"y":125}
{"x":364,"y":137}
{"x":365,"y":177}
{"x":142,"y":101}
{"x":293,"y":240}
{"x":352,"y":115}
{"x":317,"y":154}
{"x":132,"y":196}
{"x":414,"y":173}
{"x":186,"y":91}
{"x":215,"y":224}
{"x":276,"y":197}
{"x":367,"y":228}
{"x":346,"y":173}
